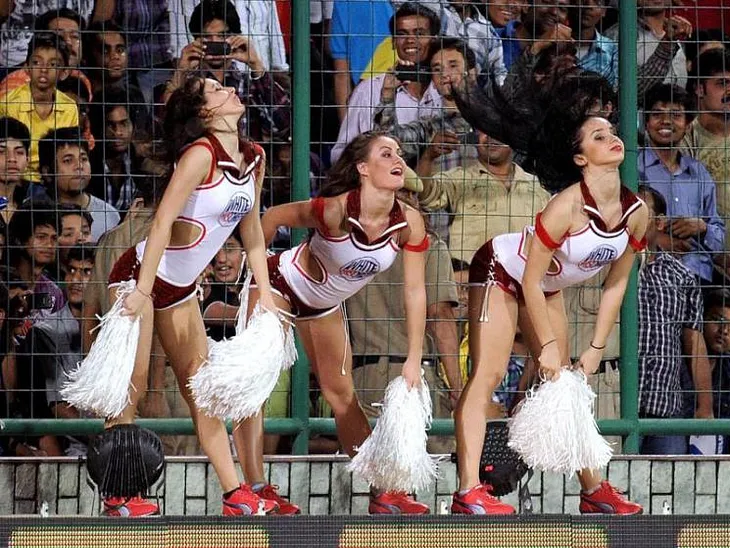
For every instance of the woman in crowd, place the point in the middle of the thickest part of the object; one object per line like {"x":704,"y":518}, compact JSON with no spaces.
{"x":591,"y":223}
{"x":214,"y":188}
{"x":358,"y":226}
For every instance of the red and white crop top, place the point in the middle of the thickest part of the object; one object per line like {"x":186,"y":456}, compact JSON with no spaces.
{"x":216,"y":207}
{"x":579,"y":255}
{"x":347,"y":263}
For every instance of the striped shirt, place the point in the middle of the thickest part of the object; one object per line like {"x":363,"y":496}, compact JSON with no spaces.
{"x":670,"y":301}
{"x":147,"y":23}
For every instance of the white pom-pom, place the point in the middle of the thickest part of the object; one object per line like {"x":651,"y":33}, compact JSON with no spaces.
{"x":554,"y":429}
{"x":100,"y":384}
{"x":394,"y":457}
{"x":241,"y":372}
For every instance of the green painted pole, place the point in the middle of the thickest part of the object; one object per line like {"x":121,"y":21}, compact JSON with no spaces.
{"x":300,"y":191}
{"x":439,"y":427}
{"x":88,"y":427}
{"x":628,"y":102}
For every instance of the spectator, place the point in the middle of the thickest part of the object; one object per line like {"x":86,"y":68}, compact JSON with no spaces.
{"x":670,"y":323}
{"x":14,"y":145}
{"x":259,"y":24}
{"x":542,"y":22}
{"x":379,"y":347}
{"x":106,"y":61}
{"x":696,"y":229}
{"x":412,"y":29}
{"x":32,"y":240}
{"x":702,"y":41}
{"x":117,"y":164}
{"x":55,"y":342}
{"x":717,"y":339}
{"x":707,"y":136}
{"x":64,"y":163}
{"x":595,"y":51}
{"x":19,"y":28}
{"x":501,"y":12}
{"x":147,"y":26}
{"x":111,"y":246}
{"x":74,"y":229}
{"x":217,"y":22}
{"x":38,"y":104}
{"x":73,"y":87}
{"x":70,"y":26}
{"x":484,"y":198}
{"x":360,"y":45}
{"x":658,"y":44}
{"x":462,"y":19}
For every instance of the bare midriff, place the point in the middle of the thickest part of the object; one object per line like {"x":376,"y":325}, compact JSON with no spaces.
{"x":310,"y":265}
{"x":184,"y":234}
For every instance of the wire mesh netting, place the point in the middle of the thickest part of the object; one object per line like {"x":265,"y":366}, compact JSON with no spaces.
{"x":96,"y":109}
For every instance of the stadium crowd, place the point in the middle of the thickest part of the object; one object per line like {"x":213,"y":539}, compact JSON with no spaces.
{"x":83,"y":91}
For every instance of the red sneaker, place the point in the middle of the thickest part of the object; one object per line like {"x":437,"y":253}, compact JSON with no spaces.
{"x":479,"y":500}
{"x":270,"y":492}
{"x":608,"y":500}
{"x":244,"y":502}
{"x":396,"y":502}
{"x":130,"y":507}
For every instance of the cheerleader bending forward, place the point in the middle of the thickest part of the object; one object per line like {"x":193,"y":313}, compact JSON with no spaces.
{"x":358,"y":227}
{"x":215,"y":185}
{"x":515,"y":280}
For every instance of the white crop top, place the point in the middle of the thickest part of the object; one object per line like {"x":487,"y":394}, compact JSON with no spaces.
{"x":346,"y":263}
{"x":216,"y":207}
{"x":581,"y":254}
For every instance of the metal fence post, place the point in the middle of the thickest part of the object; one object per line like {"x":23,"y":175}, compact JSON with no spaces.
{"x":629,"y":176}
{"x":300,"y":191}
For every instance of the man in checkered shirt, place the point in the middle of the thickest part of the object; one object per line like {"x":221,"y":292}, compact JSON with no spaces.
{"x":670,"y":328}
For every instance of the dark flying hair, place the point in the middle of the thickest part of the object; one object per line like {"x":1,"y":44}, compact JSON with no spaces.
{"x":542,"y":123}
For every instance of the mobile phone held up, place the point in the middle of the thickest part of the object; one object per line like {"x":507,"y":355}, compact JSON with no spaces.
{"x":419,"y":72}
{"x":469,"y":138}
{"x":216,"y":49}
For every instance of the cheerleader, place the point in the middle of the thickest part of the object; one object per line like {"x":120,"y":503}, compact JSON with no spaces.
{"x":358,"y":226}
{"x":214,"y":188}
{"x":591,"y":223}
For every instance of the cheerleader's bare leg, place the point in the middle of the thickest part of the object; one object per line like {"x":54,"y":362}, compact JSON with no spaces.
{"x":597,"y":496}
{"x":328,"y":349}
{"x":182,"y":335}
{"x":141,"y":364}
{"x":490,"y":345}
{"x":327,"y":345}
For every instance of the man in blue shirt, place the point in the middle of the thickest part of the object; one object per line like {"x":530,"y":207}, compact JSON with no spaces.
{"x":696,"y":230}
{"x":595,"y":51}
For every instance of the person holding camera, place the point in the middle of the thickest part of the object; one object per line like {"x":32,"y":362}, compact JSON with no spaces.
{"x":32,"y":239}
{"x":219,"y":51}
{"x":407,"y":86}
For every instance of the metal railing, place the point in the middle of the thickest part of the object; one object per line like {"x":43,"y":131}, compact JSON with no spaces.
{"x":300,"y":424}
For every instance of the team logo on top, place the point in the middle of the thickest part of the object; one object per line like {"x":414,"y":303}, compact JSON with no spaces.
{"x":237,"y":207}
{"x":360,"y":268}
{"x":598,"y":258}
